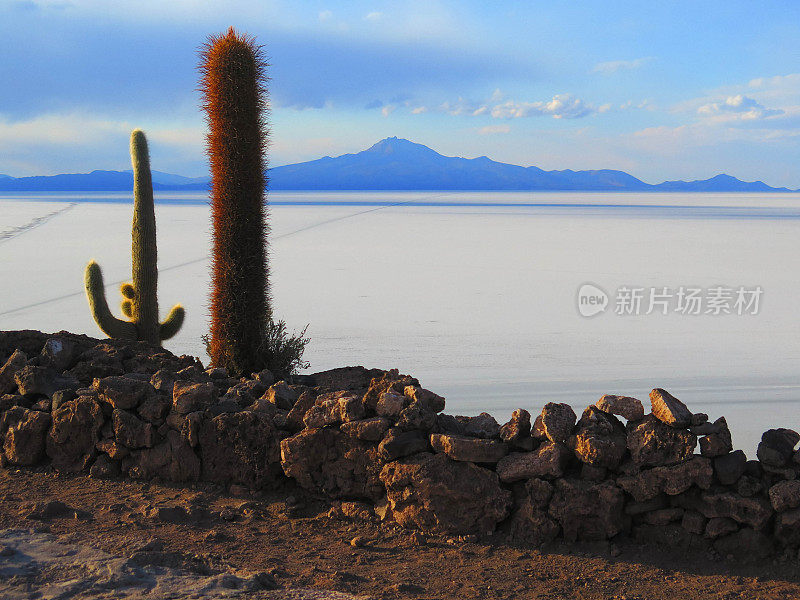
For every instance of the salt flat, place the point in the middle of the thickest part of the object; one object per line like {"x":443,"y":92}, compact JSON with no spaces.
{"x":479,"y":302}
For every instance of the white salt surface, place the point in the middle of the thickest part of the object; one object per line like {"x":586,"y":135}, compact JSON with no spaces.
{"x":478,"y":302}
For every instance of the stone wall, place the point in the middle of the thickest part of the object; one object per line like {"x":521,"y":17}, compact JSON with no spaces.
{"x":377,"y":442}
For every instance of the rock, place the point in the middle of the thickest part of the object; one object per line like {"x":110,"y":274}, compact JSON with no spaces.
{"x":59,"y":354}
{"x":694,"y":522}
{"x":730,"y":467}
{"x":398,"y":443}
{"x":104,"y":468}
{"x":388,"y":380}
{"x":557,"y":421}
{"x":294,"y":420}
{"x":74,"y":432}
{"x":719,"y":526}
{"x":281,"y":395}
{"x":391,"y":404}
{"x":435,"y":494}
{"x":241,"y":449}
{"x":599,"y":440}
{"x":672,"y":480}
{"x":592,"y":473}
{"x":427,"y":398}
{"x":417,"y":416}
{"x":264,"y":377}
{"x":530,"y":524}
{"x":329,"y":462}
{"x":699,"y":419}
{"x":663,"y":516}
{"x":746,"y":545}
{"x":587,"y":510}
{"x":749,"y":486}
{"x":42,"y":381}
{"x":537,"y":430}
{"x":704,"y":429}
{"x":163,"y":381}
{"x":754,"y":512}
{"x":358,"y":511}
{"x":16,"y":362}
{"x":154,"y":408}
{"x":626,"y":407}
{"x":114,"y":450}
{"x":787,"y":528}
{"x":517,"y":429}
{"x":130,"y":431}
{"x":467,"y":449}
{"x":52,"y":509}
{"x":785,"y":495}
{"x":188,"y":396}
{"x":484,"y":426}
{"x":645,"y":506}
{"x":777,"y":447}
{"x":548,"y":461}
{"x":369,"y":430}
{"x":652,"y":443}
{"x":669,"y":410}
{"x":25,"y":441}
{"x":718,"y":443}
{"x":123,"y":392}
{"x":170,"y":460}
{"x":332,"y":408}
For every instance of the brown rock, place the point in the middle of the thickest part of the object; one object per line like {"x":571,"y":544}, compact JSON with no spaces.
{"x":25,"y":441}
{"x":626,"y":407}
{"x":241,"y":449}
{"x":599,"y":440}
{"x":59,"y":353}
{"x":123,"y":392}
{"x":652,"y":443}
{"x":436,"y":494}
{"x":369,"y":430}
{"x":548,"y":461}
{"x":663,"y":516}
{"x":389,"y":380}
{"x":718,"y":443}
{"x":114,"y":450}
{"x":104,"y":468}
{"x":530,"y":524}
{"x":719,"y":526}
{"x":557,"y":421}
{"x":785,"y":495}
{"x":787,"y":528}
{"x":730,"y":467}
{"x":694,"y":522}
{"x":294,"y":420}
{"x":281,"y":395}
{"x":419,"y":416}
{"x":399,"y":443}
{"x":777,"y":447}
{"x":170,"y":460}
{"x":74,"y":432}
{"x":669,"y":410}
{"x":428,"y":399}
{"x":130,"y":431}
{"x":391,"y":404}
{"x":154,"y":408}
{"x":467,"y":449}
{"x":517,"y":429}
{"x":587,"y":510}
{"x":15,"y":362}
{"x":332,"y":408}
{"x":672,"y":480}
{"x":755,"y":512}
{"x":329,"y":462}
{"x":746,"y":545}
{"x":188,"y":396}
{"x":42,"y":381}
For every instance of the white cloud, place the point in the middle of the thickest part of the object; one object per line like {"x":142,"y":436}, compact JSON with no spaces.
{"x":561,"y":106}
{"x":492,"y":129}
{"x":612,"y":66}
{"x":374,"y":16}
{"x":738,"y":107}
{"x":388,"y":109}
{"x":325,"y":15}
{"x":419,"y":110}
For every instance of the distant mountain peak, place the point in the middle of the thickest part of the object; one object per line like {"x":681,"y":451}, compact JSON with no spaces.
{"x":400,"y":147}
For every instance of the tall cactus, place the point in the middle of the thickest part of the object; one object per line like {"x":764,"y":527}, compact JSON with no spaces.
{"x":233,"y":86}
{"x":140,"y":302}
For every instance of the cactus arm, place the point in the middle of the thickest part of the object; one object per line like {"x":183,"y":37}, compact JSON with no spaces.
{"x":95,"y":292}
{"x":172,"y":323}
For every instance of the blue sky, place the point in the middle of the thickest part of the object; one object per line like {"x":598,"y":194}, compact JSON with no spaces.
{"x":673,"y":90}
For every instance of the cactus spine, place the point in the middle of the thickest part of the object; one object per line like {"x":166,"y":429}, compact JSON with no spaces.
{"x":140,"y":302}
{"x":233,"y":86}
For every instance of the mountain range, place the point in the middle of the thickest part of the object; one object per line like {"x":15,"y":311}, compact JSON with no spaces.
{"x":397,"y":164}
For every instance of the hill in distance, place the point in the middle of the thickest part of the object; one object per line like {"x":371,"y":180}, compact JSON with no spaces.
{"x":399,"y":164}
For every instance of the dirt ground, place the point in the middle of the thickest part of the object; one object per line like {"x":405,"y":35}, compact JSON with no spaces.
{"x":298,"y":545}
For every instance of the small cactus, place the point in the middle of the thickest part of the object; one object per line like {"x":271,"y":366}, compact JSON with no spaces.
{"x":140,"y":303}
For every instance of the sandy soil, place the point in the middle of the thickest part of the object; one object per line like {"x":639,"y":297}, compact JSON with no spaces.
{"x":198,"y":535}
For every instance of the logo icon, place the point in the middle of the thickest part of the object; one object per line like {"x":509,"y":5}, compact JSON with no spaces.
{"x":592,"y":300}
